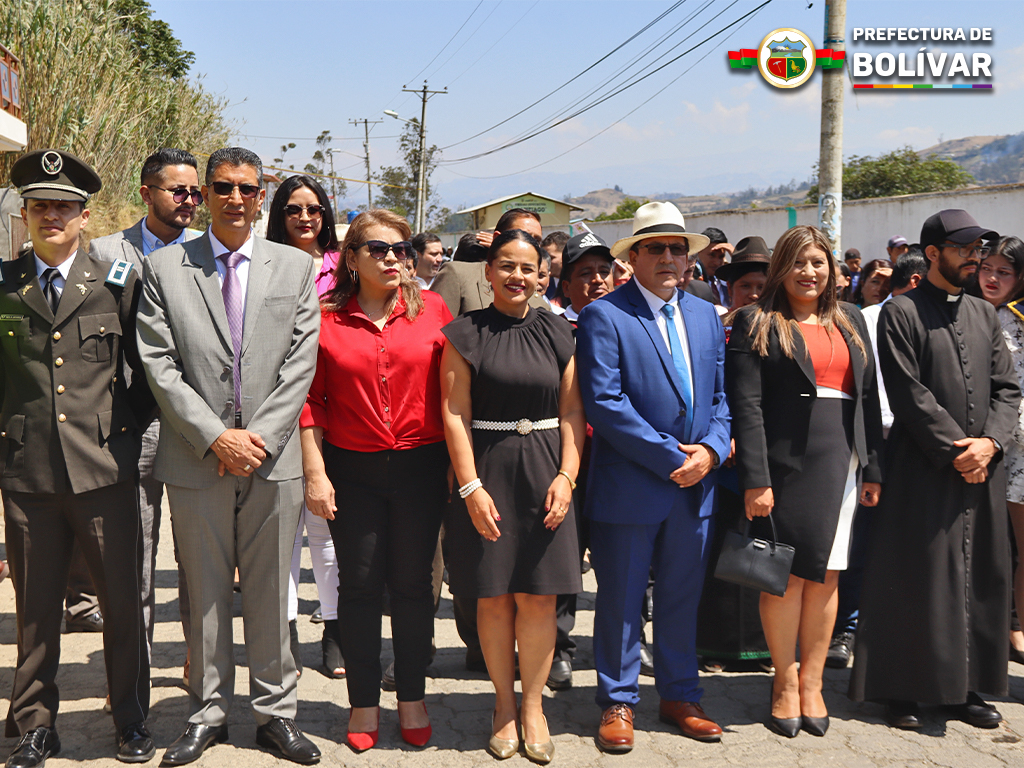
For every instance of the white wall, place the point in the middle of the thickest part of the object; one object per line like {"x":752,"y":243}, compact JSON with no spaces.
{"x":867,"y":224}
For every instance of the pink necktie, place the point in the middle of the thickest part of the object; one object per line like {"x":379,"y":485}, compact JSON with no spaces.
{"x":231,"y":290}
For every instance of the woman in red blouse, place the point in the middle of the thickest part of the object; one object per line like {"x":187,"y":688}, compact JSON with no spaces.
{"x":375,"y":463}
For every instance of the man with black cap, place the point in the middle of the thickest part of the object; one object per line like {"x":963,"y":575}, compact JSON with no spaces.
{"x":71,"y":438}
{"x":586,"y":272}
{"x":933,"y":614}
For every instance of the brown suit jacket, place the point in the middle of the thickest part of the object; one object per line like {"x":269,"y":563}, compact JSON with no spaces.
{"x":464,"y":288}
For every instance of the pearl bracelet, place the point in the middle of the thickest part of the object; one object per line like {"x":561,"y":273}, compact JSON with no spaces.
{"x":469,"y":487}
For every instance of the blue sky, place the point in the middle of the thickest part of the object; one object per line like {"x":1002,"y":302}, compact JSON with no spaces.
{"x":292,"y":69}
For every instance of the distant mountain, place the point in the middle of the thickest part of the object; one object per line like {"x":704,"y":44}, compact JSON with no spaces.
{"x":990,"y":159}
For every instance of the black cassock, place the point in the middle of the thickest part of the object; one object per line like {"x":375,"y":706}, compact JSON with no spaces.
{"x":935,"y":608}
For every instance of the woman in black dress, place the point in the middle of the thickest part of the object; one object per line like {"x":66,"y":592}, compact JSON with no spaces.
{"x":514,"y":423}
{"x":803,"y":393}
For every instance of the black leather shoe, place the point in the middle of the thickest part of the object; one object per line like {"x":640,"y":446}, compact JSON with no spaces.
{"x":978,"y":712}
{"x":784,"y":726}
{"x":387,"y":678}
{"x":902,"y":714}
{"x":34,"y":747}
{"x":816,"y":726}
{"x":282,"y":736}
{"x":134,"y":744}
{"x":839,"y":650}
{"x":193,"y":742}
{"x":646,"y":661}
{"x":91,"y":623}
{"x":560,"y":677}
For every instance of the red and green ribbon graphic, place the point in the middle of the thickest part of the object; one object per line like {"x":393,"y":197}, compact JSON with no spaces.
{"x":746,"y":58}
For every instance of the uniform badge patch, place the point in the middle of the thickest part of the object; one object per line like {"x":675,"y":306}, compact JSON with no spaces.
{"x":81,"y":287}
{"x":52,"y":162}
{"x":119,"y":272}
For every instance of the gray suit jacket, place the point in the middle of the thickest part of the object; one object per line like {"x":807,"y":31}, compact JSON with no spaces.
{"x":464,"y":288}
{"x":126,"y":244}
{"x":185,"y":346}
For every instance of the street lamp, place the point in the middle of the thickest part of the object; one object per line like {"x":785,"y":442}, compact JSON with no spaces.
{"x":421,"y":186}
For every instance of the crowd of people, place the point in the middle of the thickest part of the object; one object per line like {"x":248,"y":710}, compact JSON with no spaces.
{"x":532,"y":408}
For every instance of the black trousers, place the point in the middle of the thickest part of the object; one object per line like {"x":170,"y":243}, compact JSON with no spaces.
{"x":42,"y":529}
{"x":385,"y":531}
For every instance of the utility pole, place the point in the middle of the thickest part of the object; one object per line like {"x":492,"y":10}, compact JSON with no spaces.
{"x":830,"y":160}
{"x":366,"y":147}
{"x":421,"y":182}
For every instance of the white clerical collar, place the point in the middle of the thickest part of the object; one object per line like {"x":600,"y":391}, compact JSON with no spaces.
{"x":219,"y":248}
{"x":655,"y":301}
{"x":63,"y":268}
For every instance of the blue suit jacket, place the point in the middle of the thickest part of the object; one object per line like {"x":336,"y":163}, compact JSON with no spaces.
{"x":633,"y":398}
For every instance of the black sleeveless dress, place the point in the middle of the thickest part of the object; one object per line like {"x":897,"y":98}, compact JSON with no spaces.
{"x":517,"y":367}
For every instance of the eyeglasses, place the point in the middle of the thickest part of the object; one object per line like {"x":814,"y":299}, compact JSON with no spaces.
{"x":656,"y":249}
{"x":981,"y":251}
{"x":314,"y":211}
{"x":178,"y":194}
{"x":379,"y":249}
{"x":225,"y":188}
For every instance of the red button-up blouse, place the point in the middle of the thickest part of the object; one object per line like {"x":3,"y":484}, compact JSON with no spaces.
{"x":379,"y":389}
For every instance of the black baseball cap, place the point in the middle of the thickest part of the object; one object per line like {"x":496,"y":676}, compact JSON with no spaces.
{"x":953,"y":225}
{"x":578,"y":246}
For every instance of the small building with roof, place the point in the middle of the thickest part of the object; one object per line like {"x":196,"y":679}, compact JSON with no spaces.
{"x":554,"y":214}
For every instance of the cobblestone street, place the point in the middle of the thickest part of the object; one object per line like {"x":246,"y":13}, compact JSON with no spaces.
{"x":460,"y":705}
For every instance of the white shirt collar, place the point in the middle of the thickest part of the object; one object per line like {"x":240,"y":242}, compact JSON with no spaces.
{"x":151,"y":242}
{"x":219,"y":248}
{"x":63,"y":268}
{"x":655,"y":301}
{"x":571,"y":314}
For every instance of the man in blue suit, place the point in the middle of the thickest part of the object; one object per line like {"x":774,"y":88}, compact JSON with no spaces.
{"x":651,"y":362}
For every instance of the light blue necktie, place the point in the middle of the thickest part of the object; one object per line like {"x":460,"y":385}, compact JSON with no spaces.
{"x":675,"y":345}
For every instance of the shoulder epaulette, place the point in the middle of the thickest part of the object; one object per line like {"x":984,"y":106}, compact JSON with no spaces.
{"x":119,"y":271}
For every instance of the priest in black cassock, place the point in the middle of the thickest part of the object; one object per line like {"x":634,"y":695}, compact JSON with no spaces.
{"x":934,"y":614}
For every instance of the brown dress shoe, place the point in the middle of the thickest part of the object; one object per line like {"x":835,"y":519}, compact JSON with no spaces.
{"x":691,"y":720}
{"x":616,"y":731}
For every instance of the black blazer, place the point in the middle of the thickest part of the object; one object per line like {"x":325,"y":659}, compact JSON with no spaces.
{"x":771,"y":398}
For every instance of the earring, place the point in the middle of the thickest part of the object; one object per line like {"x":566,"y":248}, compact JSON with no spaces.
{"x":354,"y":276}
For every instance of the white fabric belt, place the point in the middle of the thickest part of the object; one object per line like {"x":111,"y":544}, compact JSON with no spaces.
{"x":523,"y":426}
{"x":835,"y":394}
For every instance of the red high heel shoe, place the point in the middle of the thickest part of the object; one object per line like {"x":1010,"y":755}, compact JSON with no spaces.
{"x":360,"y":742}
{"x":417,"y":737}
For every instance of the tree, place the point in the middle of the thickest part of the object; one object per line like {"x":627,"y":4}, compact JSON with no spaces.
{"x":153,"y":39}
{"x":625,"y":210}
{"x":323,"y":165}
{"x":901,"y":172}
{"x":400,"y":195}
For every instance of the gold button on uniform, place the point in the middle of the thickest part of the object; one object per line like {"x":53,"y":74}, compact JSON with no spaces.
{"x":60,"y":389}
{"x":124,"y":429}
{"x":59,"y":362}
{"x":102,"y":329}
{"x":10,"y":333}
{"x":56,"y":335}
{"x":62,"y":418}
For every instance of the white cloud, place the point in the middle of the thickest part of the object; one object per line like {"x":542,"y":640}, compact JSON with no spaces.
{"x":909,"y":134}
{"x":1010,"y":76}
{"x":719,"y":118}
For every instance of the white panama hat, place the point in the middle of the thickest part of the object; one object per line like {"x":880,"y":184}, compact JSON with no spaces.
{"x":659,"y":218}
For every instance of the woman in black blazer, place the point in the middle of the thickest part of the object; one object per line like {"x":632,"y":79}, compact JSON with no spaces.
{"x":803,"y":393}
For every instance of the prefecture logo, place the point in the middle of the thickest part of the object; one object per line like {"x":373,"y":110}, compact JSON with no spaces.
{"x":786,"y":58}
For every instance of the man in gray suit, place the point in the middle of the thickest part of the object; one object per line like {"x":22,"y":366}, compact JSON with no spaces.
{"x":170,"y":189}
{"x":228,"y":327}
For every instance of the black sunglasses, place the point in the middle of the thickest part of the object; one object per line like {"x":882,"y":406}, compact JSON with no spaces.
{"x":296,"y":210}
{"x":656,"y":249}
{"x":178,"y":194}
{"x":225,"y":188}
{"x":379,"y":249}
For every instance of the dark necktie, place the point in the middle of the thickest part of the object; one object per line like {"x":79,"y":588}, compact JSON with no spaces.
{"x":231,"y":290}
{"x":50,"y":290}
{"x":675,"y":345}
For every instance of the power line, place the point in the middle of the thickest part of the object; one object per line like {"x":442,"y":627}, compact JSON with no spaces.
{"x":504,"y":34}
{"x":470,"y":37}
{"x":747,"y":18}
{"x":313,"y":138}
{"x":573,"y":79}
{"x":413,"y":78}
{"x":605,"y":98}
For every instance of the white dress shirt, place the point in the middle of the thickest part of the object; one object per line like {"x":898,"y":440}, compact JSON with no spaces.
{"x":151,"y":242}
{"x":871,"y":315}
{"x":571,"y":314}
{"x":656,"y":303}
{"x":60,"y":280}
{"x":242,"y":270}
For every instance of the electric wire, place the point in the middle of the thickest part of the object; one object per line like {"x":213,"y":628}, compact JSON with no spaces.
{"x":504,"y":34}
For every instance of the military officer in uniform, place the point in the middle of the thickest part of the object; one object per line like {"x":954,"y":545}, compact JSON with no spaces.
{"x":69,"y":442}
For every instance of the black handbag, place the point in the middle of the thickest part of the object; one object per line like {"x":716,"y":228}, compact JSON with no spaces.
{"x":755,"y":563}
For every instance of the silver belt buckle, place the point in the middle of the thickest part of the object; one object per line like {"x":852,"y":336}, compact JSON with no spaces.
{"x":524,"y":426}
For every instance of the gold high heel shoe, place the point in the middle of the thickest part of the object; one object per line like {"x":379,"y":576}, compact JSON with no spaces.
{"x":539,"y":753}
{"x":502,"y":748}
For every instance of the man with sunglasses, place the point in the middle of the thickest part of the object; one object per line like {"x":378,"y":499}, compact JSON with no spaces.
{"x":170,"y":189}
{"x":934,"y":618}
{"x":228,"y":327}
{"x":652,"y":373}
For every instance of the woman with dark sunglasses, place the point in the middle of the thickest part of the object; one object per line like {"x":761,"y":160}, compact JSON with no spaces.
{"x":376,"y":465}
{"x":301,"y":216}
